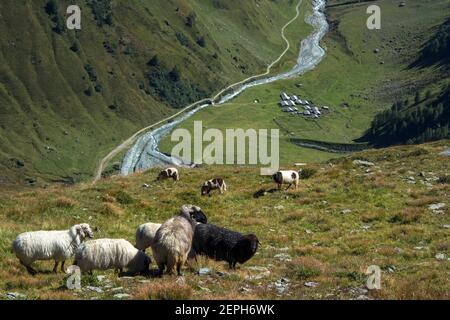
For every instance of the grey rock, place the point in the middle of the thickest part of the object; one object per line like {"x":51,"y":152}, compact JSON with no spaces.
{"x":440,"y":256}
{"x":363,"y":163}
{"x":121,"y":295}
{"x":101,"y":278}
{"x":15,"y":295}
{"x":282,"y":285}
{"x":345,"y":211}
{"x":95,"y":289}
{"x":245,"y":290}
{"x":257,"y":268}
{"x":204,"y":271}
{"x":436,"y":206}
{"x":311,"y":284}
{"x":283,"y":257}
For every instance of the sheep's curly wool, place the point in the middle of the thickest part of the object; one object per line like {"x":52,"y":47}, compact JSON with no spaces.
{"x":173,"y":239}
{"x":49,"y":245}
{"x":223,"y":244}
{"x":145,"y":235}
{"x":103,"y":254}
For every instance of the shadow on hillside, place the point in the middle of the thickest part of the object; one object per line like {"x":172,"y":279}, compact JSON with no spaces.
{"x":262,"y":192}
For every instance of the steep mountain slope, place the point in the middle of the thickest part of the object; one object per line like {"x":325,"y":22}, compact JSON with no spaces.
{"x":342,"y":219}
{"x":427,"y":119}
{"x":67,"y":97}
{"x":364,"y":72}
{"x":427,"y":116}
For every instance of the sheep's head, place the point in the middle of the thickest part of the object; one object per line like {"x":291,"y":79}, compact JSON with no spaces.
{"x":84,"y":230}
{"x":199,"y":216}
{"x":277,"y":177}
{"x":194,"y":213}
{"x":205,"y":189}
{"x":161,"y":175}
{"x":144,"y":264}
{"x":245,"y":248}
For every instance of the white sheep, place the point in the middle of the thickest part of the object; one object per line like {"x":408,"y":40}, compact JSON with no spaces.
{"x":169,"y":173}
{"x":213,"y":184}
{"x":49,"y":245}
{"x":103,"y":254}
{"x":290,"y":177}
{"x":173,"y":240}
{"x":145,"y":235}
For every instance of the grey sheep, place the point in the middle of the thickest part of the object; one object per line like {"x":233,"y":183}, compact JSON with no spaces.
{"x":173,"y":240}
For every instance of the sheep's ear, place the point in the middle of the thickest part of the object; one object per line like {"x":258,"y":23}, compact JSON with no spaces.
{"x":80,"y":231}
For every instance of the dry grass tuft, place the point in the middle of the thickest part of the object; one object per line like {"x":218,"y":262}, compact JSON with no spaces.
{"x":162,"y":289}
{"x":407,"y":215}
{"x":110,"y":209}
{"x":302,"y":268}
{"x":64,"y":202}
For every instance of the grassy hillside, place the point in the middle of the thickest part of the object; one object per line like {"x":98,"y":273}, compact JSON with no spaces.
{"x":364,"y":72}
{"x":342,"y":219}
{"x":68,"y":97}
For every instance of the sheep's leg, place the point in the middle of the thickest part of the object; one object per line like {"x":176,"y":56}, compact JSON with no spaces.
{"x":62,"y":267}
{"x":288,"y":187}
{"x":169,"y":268}
{"x":234,"y":264}
{"x":29,"y":268}
{"x":55,"y":268}
{"x":179,"y":268}
{"x":279,"y":186}
{"x":160,"y":269}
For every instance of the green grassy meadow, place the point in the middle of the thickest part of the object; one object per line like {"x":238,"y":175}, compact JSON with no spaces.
{"x":342,"y":219}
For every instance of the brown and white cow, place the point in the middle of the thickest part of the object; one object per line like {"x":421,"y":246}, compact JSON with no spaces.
{"x":213,"y":184}
{"x":290,"y":177}
{"x":169,"y":173}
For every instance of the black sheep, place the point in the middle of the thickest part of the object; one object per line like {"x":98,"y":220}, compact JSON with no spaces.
{"x":223,"y":244}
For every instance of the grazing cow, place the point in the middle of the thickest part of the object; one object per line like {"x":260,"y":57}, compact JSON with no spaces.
{"x":169,"y":173}
{"x":290,"y":177}
{"x":213,"y":184}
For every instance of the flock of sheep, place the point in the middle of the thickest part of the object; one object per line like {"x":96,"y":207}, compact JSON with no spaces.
{"x":183,"y":236}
